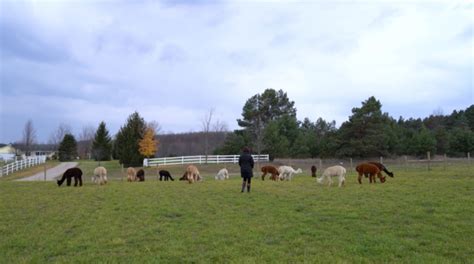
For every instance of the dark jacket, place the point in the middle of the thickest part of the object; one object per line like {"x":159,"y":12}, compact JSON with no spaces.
{"x":246,"y":165}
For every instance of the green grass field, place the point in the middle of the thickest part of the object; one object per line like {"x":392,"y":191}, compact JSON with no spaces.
{"x":418,"y":216}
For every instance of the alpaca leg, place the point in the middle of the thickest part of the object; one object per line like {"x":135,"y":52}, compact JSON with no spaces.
{"x":80,"y":180}
{"x":341,"y":181}
{"x":68,"y":181}
{"x":244,"y":183}
{"x":248,"y":184}
{"x":263,"y":176}
{"x":359,"y":179}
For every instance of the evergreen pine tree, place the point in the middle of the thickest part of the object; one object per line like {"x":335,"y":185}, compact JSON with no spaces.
{"x":67,"y":148}
{"x":127,"y":141}
{"x":102,"y":145}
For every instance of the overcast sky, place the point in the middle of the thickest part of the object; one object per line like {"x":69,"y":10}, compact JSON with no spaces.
{"x":81,"y":62}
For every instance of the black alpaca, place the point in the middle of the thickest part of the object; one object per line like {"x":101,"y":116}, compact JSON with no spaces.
{"x":165,"y":174}
{"x":141,"y":175}
{"x":75,"y":173}
{"x":382,"y":168}
{"x":313,"y":171}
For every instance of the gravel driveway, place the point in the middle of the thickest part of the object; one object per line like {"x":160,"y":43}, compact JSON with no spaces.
{"x":51,"y":173}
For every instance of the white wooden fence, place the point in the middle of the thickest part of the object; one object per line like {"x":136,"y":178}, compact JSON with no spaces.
{"x":201,"y":159}
{"x":21,"y":164}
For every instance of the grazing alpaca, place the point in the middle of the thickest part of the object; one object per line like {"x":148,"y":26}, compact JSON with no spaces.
{"x":75,"y":173}
{"x":222,"y":174}
{"x":286,"y":172}
{"x":192,"y":174}
{"x":313,"y":171}
{"x":100,"y":175}
{"x":382,"y":167}
{"x":131,"y":174}
{"x":272,"y":170}
{"x":141,"y":175}
{"x":165,"y":174}
{"x":334,"y":171}
{"x":369,"y":170}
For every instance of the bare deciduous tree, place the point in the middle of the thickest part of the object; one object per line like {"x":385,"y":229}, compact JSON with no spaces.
{"x":220,"y":126}
{"x":85,"y":141}
{"x":206,"y":128}
{"x":155,"y":126}
{"x":57,"y":136}
{"x":29,"y":136}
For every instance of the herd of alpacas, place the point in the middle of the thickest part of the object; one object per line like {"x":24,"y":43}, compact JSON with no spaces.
{"x":370,"y":170}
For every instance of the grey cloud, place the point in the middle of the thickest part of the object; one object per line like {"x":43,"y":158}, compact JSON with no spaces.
{"x":172,"y":53}
{"x":17,"y":40}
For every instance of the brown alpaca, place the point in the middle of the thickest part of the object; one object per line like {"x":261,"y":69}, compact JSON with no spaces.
{"x":370,"y":170}
{"x":141,"y":175}
{"x":131,"y":174}
{"x":192,"y":174}
{"x":272,"y":170}
{"x":313,"y":171}
{"x":184,"y":177}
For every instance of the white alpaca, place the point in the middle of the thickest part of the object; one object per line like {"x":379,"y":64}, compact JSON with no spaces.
{"x":334,"y":171}
{"x":100,"y":176}
{"x":286,"y":172}
{"x":222,"y":174}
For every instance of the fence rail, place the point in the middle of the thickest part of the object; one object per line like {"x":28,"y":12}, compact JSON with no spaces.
{"x":21,"y":164}
{"x":200,"y":159}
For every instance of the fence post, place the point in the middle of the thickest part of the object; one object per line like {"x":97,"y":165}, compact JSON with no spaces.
{"x":320,"y":164}
{"x":428,"y":154}
{"x":406,"y":162}
{"x":121,"y":175}
{"x":351,"y":164}
{"x":445,"y":161}
{"x":381,"y":159}
{"x":44,"y":167}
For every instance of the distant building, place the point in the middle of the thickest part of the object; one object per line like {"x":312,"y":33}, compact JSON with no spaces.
{"x":7,"y":152}
{"x":47,"y":150}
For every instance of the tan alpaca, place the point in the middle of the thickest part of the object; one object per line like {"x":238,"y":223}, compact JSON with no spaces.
{"x":100,"y":175}
{"x":192,"y":174}
{"x":131,"y":174}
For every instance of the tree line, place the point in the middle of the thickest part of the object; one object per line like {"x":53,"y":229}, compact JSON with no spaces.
{"x":269,"y":125}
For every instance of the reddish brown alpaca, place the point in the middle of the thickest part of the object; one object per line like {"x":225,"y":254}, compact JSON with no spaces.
{"x":272,"y":170}
{"x":370,"y":170}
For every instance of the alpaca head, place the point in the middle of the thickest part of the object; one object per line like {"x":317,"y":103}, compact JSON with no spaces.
{"x":390,"y":174}
{"x":383,"y":179}
{"x":59,"y":182}
{"x":319,"y":180}
{"x":298,"y":171}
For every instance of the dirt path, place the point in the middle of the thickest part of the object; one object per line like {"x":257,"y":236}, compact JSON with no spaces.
{"x":51,"y":173}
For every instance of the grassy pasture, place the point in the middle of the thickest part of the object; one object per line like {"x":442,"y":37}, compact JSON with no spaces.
{"x":418,"y":216}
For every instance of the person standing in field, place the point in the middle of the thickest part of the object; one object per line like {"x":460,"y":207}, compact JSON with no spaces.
{"x":246,"y":168}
